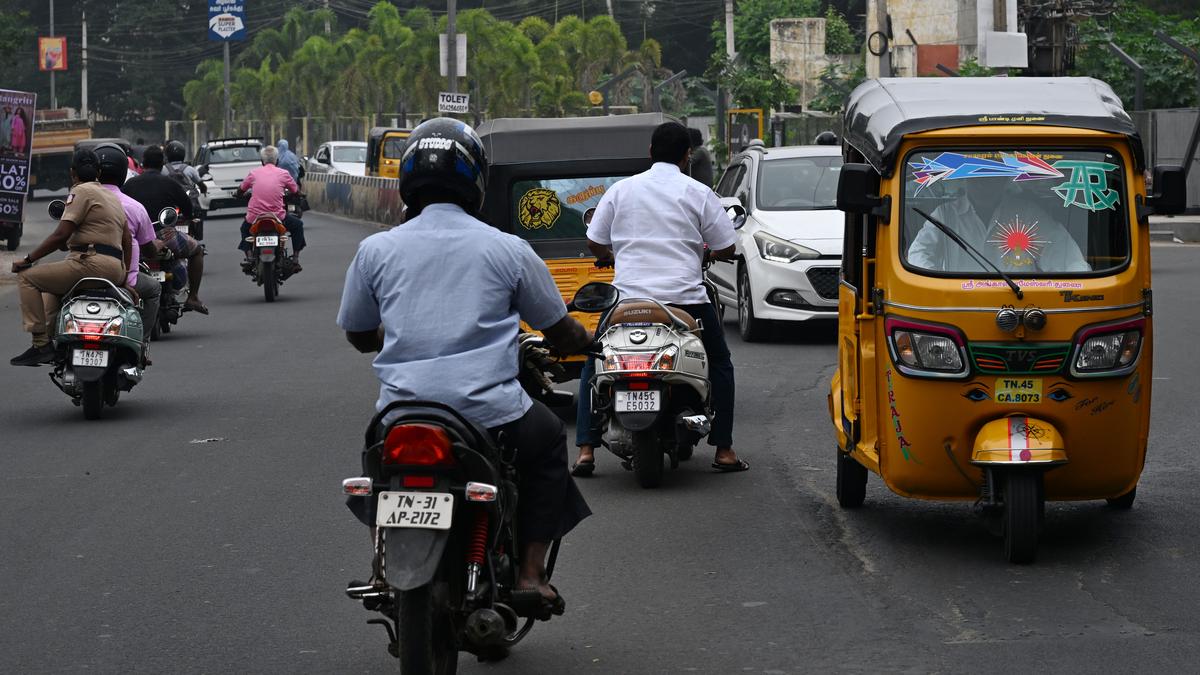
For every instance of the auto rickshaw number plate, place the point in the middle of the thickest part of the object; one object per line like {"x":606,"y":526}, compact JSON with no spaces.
{"x":424,"y":510}
{"x":1019,"y":390}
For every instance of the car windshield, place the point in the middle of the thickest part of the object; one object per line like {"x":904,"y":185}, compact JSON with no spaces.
{"x":350,"y":153}
{"x":554,"y":208}
{"x":798,"y":183}
{"x":393,"y":147}
{"x":1028,"y":211}
{"x":240,"y":153}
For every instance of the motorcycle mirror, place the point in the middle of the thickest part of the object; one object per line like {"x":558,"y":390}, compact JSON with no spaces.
{"x":587,"y":216}
{"x":168,"y":217}
{"x":594,"y":297}
{"x":56,"y":208}
{"x":736,"y":211}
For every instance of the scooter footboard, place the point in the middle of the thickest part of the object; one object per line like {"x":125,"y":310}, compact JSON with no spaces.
{"x":1019,"y":440}
{"x":411,"y":555}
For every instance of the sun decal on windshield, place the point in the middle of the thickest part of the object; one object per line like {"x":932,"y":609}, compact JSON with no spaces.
{"x":1018,"y":242}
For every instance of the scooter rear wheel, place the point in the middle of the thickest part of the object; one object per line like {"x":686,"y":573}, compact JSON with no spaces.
{"x":647,"y":459}
{"x":92,"y":400}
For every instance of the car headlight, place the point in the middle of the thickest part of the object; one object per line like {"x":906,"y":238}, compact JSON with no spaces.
{"x":771,"y":247}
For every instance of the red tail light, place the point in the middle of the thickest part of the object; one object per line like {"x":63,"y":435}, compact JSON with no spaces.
{"x":418,"y":445}
{"x":266,"y":225}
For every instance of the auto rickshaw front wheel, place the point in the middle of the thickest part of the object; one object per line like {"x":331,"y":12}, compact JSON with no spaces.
{"x":851,"y":481}
{"x":1125,"y":501}
{"x":1024,"y":506}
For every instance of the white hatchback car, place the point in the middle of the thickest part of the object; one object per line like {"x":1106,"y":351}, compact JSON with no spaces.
{"x":790,"y":248}
{"x":349,"y":157}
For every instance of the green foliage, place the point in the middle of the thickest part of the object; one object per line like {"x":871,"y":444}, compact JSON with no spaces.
{"x":838,"y":37}
{"x":752,"y":24}
{"x":16,"y":34}
{"x":754,"y":83}
{"x":1170,"y":76}
{"x":836,"y":85}
{"x":972,"y":68}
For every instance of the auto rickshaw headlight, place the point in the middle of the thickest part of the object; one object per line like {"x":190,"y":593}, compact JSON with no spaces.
{"x":1108,"y":349}
{"x":926,"y":351}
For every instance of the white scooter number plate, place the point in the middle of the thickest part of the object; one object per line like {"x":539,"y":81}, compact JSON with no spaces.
{"x":425,"y":510}
{"x":638,"y":401}
{"x":159,"y":276}
{"x":181,"y":229}
{"x":91,"y":358}
{"x":266,"y":241}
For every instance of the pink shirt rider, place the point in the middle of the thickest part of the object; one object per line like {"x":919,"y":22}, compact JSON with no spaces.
{"x":268,"y":183}
{"x":141,"y":231}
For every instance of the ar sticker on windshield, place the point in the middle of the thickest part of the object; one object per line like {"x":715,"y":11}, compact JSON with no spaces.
{"x":1088,"y":185}
{"x":1020,"y":166}
{"x":539,"y":209}
{"x":1018,"y":242}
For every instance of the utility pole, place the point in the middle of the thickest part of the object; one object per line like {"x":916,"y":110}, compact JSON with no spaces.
{"x":881,"y":18}
{"x":228,"y":111}
{"x":83,"y":86}
{"x":729,"y":46}
{"x":610,"y":10}
{"x":452,"y":44}
{"x":327,"y":27}
{"x":53,"y":97}
{"x":1000,"y":16}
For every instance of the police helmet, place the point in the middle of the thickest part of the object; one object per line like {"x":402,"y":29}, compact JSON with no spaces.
{"x":444,"y":156}
{"x":113,"y":163}
{"x":826,"y":138}
{"x":175,"y":151}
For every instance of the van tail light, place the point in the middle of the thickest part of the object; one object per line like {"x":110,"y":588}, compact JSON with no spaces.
{"x":418,"y":445}
{"x":927,"y":350}
{"x":1107,"y":350}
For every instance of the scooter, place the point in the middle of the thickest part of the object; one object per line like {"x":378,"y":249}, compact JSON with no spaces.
{"x":99,"y":342}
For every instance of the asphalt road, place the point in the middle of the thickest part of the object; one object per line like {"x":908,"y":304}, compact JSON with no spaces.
{"x":199,"y":528}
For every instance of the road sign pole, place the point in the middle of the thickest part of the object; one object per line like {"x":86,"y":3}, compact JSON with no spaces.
{"x":452,"y":45}
{"x":228,"y":111}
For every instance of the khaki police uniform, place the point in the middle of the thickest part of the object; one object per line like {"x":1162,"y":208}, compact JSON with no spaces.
{"x":99,"y":220}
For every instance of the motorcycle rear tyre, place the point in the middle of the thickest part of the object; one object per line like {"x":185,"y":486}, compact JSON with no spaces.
{"x":270,"y":283}
{"x":92,"y":400}
{"x":647,"y":459}
{"x":422,"y":650}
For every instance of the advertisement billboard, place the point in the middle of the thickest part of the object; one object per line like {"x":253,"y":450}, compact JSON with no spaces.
{"x":52,"y":53}
{"x":16,"y":140}
{"x":226,"y":20}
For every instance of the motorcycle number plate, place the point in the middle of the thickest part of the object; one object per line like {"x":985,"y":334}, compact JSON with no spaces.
{"x":182,"y":229}
{"x":266,"y":241}
{"x":91,"y":358}
{"x":638,"y":401}
{"x":425,"y":510}
{"x":159,"y":276}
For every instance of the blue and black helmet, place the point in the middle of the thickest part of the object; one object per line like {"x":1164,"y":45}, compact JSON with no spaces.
{"x":445,"y":154}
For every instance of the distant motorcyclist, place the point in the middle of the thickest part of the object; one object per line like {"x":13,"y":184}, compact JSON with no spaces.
{"x":175,"y":154}
{"x":288,"y":161}
{"x":157,"y":191}
{"x":92,"y":228}
{"x":395,"y":301}
{"x":113,"y":163}
{"x":267,"y":185}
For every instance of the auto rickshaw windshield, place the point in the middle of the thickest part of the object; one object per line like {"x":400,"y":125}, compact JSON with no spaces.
{"x":1028,"y":211}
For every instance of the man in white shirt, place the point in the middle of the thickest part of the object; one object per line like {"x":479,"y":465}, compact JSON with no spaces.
{"x":654,"y":227}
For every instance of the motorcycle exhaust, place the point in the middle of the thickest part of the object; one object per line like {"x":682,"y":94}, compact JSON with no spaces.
{"x":486,"y":627}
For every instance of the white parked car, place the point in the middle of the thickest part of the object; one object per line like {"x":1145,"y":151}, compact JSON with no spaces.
{"x":223,"y":165}
{"x":790,"y":248}
{"x":339,"y":157}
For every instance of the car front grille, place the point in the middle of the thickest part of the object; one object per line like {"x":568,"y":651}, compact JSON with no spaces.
{"x":824,"y":281}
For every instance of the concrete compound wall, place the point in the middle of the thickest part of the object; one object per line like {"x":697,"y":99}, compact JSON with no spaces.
{"x":375,"y":200}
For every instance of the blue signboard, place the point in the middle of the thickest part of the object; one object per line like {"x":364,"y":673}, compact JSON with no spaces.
{"x":226,"y":20}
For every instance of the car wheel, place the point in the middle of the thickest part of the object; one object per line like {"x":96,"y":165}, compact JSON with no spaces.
{"x":752,"y":329}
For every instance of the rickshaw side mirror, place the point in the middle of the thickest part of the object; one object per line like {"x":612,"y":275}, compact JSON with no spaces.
{"x":56,"y":209}
{"x":1169,"y":187}
{"x":858,"y":191}
{"x":594,"y":297}
{"x":737,"y":212}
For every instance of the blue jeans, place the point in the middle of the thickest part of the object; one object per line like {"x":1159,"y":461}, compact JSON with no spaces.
{"x":720,"y":375}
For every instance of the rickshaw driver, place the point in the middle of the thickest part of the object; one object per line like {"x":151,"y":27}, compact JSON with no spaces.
{"x":931,"y":249}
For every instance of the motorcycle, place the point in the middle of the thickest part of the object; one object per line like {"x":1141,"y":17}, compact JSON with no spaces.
{"x":446,"y":544}
{"x":270,"y":262}
{"x":161,"y":267}
{"x":99,"y":345}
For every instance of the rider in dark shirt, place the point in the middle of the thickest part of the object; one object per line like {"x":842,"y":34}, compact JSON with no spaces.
{"x":157,"y":191}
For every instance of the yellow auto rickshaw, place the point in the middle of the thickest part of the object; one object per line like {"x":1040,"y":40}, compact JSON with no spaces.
{"x":385,"y":147}
{"x":995,"y":308}
{"x":545,"y":177}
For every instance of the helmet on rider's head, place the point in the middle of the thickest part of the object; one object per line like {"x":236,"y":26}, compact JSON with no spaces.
{"x":444,"y":158}
{"x":826,"y":138}
{"x":175,"y":151}
{"x":113,"y":163}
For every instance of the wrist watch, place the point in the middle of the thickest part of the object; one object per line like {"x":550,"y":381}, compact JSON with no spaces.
{"x":28,"y":260}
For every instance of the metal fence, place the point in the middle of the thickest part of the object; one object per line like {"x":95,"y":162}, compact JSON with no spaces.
{"x":303,"y":133}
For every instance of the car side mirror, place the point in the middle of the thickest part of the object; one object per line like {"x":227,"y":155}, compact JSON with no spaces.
{"x":737,"y":212}
{"x":202,"y":170}
{"x":858,"y":191}
{"x":168,"y":217}
{"x":1169,"y":187}
{"x":594,"y":297}
{"x":56,"y":209}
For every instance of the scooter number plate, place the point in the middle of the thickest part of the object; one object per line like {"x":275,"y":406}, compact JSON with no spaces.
{"x":425,"y":510}
{"x":90,"y":358}
{"x":266,"y":241}
{"x":638,"y":401}
{"x":159,"y":276}
{"x":182,"y":229}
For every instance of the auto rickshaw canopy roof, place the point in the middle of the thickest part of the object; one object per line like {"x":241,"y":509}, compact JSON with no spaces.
{"x":880,"y":113}
{"x":527,"y":140}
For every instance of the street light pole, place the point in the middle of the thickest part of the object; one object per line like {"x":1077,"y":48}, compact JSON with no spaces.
{"x":83,"y":88}
{"x":452,"y":44}
{"x":53,"y":97}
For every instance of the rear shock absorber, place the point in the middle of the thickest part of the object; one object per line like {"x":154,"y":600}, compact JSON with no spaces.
{"x":476,"y":550}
